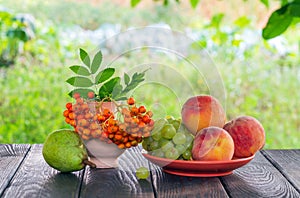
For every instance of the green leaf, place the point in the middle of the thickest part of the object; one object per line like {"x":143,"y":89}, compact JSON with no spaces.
{"x":96,"y":62}
{"x":134,"y":2}
{"x":104,"y":75}
{"x":265,"y":2}
{"x":107,"y":88}
{"x":85,"y":57}
{"x":166,"y":2}
{"x":136,"y":79}
{"x":278,"y":22}
{"x":78,"y":81}
{"x":117,"y":90}
{"x":126,"y":79}
{"x":194,"y":3}
{"x":294,"y":9}
{"x":83,"y":92}
{"x":80,"y":70}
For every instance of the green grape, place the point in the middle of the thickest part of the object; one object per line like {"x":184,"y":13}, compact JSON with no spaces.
{"x":156,"y":136}
{"x":158,"y":153}
{"x":179,"y":138}
{"x":187,"y":155}
{"x":172,"y":153}
{"x":142,"y":173}
{"x":154,"y":145}
{"x":162,"y":142}
{"x":175,"y":123}
{"x":181,"y":148}
{"x":146,"y":143}
{"x":168,"y":131}
{"x":167,"y":146}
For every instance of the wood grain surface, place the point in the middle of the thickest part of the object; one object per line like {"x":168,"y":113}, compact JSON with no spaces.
{"x":119,"y":182}
{"x":24,"y":173}
{"x":11,"y":157}
{"x":287,"y":162}
{"x":36,"y":179}
{"x":259,"y":178}
{"x":167,"y":185}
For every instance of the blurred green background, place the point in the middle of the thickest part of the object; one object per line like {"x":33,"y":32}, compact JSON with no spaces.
{"x":39,"y":39}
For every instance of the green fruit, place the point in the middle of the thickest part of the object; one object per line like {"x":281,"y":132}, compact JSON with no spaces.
{"x":154,"y":145}
{"x":175,"y":123}
{"x":179,"y":138}
{"x":187,"y":155}
{"x":64,"y":151}
{"x":142,"y":173}
{"x":168,"y":131}
{"x":146,"y":143}
{"x":167,"y":146}
{"x":181,"y":148}
{"x":172,"y":153}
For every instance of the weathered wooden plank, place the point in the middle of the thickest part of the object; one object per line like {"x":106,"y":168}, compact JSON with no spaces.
{"x":118,"y":182}
{"x":167,"y":185}
{"x":11,"y":156}
{"x":287,"y":162}
{"x":259,"y":178}
{"x":36,"y":179}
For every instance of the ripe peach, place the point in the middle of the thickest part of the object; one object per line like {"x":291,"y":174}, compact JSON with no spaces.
{"x":202,"y":111}
{"x":213,"y":143}
{"x":248,"y":135}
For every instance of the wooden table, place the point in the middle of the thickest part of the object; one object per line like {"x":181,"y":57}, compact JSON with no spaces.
{"x":24,"y":173}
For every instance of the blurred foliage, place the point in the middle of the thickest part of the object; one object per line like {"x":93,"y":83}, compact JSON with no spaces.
{"x":258,"y":75}
{"x":278,"y":22}
{"x":15,"y":31}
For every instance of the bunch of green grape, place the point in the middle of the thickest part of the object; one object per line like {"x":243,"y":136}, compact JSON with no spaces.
{"x":169,"y":139}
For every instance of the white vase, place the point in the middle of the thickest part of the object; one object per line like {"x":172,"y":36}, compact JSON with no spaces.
{"x":103,"y":154}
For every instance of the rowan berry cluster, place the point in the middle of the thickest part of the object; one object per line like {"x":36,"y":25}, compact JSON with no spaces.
{"x":126,"y":126}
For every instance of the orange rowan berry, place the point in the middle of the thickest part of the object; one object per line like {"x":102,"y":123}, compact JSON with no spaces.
{"x":79,"y":101}
{"x":121,"y":146}
{"x":69,"y":105}
{"x":71,"y":116}
{"x":88,"y":116}
{"x":146,"y":119}
{"x":66,"y":113}
{"x":125,"y":139}
{"x":72,"y":123}
{"x":101,"y":118}
{"x":118,"y":137}
{"x":82,"y":122}
{"x":94,"y":126}
{"x":149,"y":113}
{"x":86,"y":132}
{"x":151,"y":122}
{"x":142,"y":124}
{"x":128,"y":145}
{"x":131,"y":101}
{"x":76,"y":95}
{"x":142,"y":109}
{"x":91,"y":94}
{"x":67,"y":120}
{"x":114,"y":129}
{"x":134,"y":111}
{"x":111,"y":136}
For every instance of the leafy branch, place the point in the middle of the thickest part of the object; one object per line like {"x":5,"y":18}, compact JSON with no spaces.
{"x":102,"y":83}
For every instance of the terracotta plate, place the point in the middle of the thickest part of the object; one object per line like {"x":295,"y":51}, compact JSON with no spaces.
{"x":198,"y":168}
